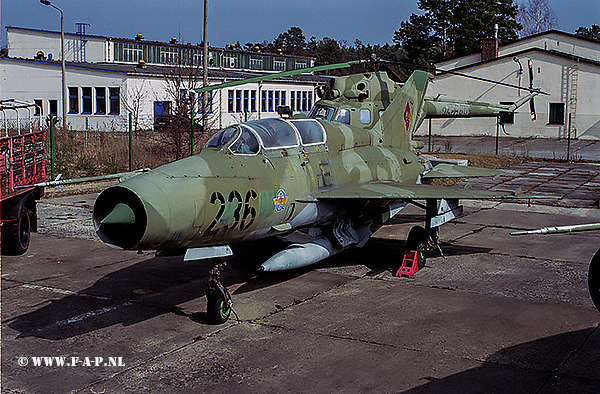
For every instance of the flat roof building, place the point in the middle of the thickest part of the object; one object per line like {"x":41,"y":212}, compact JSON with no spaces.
{"x":107,"y":78}
{"x":565,"y":66}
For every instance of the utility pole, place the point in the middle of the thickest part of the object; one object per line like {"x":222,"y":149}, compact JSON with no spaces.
{"x":205,"y":68}
{"x":62,"y":49}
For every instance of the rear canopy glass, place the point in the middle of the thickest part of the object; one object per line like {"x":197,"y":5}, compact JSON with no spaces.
{"x":311,"y":131}
{"x":274,"y":133}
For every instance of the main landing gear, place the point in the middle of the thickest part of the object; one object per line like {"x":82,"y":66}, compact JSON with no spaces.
{"x":421,"y":240}
{"x":218,"y":300}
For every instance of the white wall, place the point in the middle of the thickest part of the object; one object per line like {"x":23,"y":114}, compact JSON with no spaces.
{"x":31,"y":80}
{"x":25,"y":43}
{"x":551,"y":74}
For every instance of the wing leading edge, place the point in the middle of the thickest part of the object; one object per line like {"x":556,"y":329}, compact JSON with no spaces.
{"x":396,"y":191}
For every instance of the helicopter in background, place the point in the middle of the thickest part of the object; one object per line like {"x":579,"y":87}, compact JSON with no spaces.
{"x":325,"y":182}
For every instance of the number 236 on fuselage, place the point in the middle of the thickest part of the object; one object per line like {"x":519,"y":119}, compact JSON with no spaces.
{"x":326,"y":181}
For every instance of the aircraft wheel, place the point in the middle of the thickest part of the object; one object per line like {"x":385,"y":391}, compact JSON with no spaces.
{"x":417,"y":240}
{"x":594,"y":279}
{"x":217,"y":309}
{"x":16,"y":234}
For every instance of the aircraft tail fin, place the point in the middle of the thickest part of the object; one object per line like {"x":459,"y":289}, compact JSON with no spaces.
{"x":400,"y":119}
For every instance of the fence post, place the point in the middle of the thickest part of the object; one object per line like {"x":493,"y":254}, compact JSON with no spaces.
{"x":51,"y":147}
{"x":569,"y":140}
{"x":497,"y":132}
{"x":192,"y":133}
{"x":130,"y":142}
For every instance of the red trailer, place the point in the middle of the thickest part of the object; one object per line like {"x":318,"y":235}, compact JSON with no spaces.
{"x":22,"y":165}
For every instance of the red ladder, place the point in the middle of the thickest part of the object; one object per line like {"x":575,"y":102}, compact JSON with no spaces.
{"x":410,"y":264}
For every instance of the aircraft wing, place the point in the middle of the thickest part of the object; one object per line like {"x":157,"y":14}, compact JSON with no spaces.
{"x":404,"y":191}
{"x":445,"y":170}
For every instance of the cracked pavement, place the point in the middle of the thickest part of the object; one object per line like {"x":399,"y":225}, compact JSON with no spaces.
{"x":497,"y":314}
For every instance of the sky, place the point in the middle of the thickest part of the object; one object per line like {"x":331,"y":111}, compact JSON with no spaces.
{"x":372,"y":21}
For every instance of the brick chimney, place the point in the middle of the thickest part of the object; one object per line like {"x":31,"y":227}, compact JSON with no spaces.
{"x":489,"y":46}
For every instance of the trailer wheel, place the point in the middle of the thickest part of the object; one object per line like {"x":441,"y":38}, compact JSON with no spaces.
{"x":16,"y":234}
{"x":594,"y":279}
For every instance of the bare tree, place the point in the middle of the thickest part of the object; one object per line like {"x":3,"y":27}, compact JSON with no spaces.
{"x":536,"y":16}
{"x":133,"y":101}
{"x":180,"y":80}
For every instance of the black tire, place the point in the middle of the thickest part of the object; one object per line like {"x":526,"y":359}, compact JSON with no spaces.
{"x":16,"y":234}
{"x":217,"y":309}
{"x":417,"y":240}
{"x":594,"y":279}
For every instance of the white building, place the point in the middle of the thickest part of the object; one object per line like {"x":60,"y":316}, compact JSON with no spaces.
{"x":107,"y":78}
{"x":565,"y":66}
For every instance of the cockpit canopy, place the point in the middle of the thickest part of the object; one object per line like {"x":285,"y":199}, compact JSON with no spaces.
{"x":271,"y":133}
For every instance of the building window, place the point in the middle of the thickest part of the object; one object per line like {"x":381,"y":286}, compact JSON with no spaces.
{"x":264,"y":101}
{"x":301,"y":64}
{"x":230,"y":107}
{"x":53,"y":107}
{"x":39,"y":107}
{"x":229,"y":60}
{"x":162,"y":108}
{"x":310,"y":96}
{"x":168,"y":56}
{"x":114,"y":101}
{"x":283,"y":94}
{"x":293,"y":100}
{"x":271,"y":108}
{"x":132,"y":52}
{"x":557,"y":113}
{"x":256,"y":63}
{"x":298,"y":101}
{"x":73,"y":100}
{"x":253,"y":101}
{"x":86,"y":100}
{"x":238,"y":101}
{"x":101,"y":101}
{"x":197,"y":59}
{"x":277,"y":100}
{"x":278,"y":65}
{"x":304,"y":102}
{"x":246,"y":101}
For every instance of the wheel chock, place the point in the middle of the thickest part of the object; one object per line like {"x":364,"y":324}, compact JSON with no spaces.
{"x":410,"y":264}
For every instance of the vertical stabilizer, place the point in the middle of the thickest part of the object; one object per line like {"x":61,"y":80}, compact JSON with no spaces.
{"x":399,"y":121}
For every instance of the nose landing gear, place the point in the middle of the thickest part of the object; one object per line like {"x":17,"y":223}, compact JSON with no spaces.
{"x":218,"y":300}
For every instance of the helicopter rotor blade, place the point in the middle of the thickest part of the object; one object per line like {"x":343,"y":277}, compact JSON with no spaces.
{"x":278,"y":75}
{"x":531,"y":102}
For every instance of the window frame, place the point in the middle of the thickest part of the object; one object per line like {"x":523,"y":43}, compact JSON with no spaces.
{"x":114,"y":101}
{"x":100,"y":100}
{"x":552,"y":114}
{"x":86,"y":100}
{"x":73,"y":100}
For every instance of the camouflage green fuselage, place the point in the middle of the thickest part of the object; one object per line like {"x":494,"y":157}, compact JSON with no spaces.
{"x":217,"y":197}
